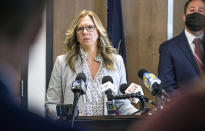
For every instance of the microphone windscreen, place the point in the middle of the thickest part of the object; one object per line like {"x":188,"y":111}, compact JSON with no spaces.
{"x":81,"y":76}
{"x":106,"y":79}
{"x":123,"y":87}
{"x":141,"y":72}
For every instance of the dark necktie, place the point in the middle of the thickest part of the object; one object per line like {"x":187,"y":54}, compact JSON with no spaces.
{"x":198,"y":52}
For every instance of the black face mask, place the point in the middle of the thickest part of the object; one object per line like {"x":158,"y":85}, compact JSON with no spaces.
{"x":195,"y":21}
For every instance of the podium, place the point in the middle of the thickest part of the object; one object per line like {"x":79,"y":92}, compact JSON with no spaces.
{"x":106,"y":123}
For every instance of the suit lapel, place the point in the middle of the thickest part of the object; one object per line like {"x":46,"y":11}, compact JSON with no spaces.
{"x":184,"y":46}
{"x":78,"y":66}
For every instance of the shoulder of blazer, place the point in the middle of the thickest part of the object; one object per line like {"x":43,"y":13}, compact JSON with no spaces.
{"x":172,"y":42}
{"x":117,"y":59}
{"x":62,"y":59}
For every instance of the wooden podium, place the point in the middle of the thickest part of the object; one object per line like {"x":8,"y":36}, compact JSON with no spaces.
{"x":106,"y":123}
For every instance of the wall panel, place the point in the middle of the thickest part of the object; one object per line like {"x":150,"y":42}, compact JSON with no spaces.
{"x":145,"y":29}
{"x":178,"y":13}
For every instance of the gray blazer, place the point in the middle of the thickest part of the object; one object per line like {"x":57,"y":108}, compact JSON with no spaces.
{"x":59,"y":90}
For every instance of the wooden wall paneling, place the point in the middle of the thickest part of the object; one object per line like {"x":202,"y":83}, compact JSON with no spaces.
{"x":145,"y":29}
{"x":178,"y":13}
{"x":64,"y":13}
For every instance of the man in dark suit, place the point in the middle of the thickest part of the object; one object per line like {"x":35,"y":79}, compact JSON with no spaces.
{"x":19,"y":26}
{"x":181,"y":57}
{"x":184,"y":112}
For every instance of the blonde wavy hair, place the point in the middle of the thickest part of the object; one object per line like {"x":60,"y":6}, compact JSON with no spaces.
{"x":104,"y":45}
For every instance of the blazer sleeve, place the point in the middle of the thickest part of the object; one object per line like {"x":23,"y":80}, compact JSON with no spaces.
{"x":54,"y":92}
{"x":124,"y":106}
{"x":166,"y":70}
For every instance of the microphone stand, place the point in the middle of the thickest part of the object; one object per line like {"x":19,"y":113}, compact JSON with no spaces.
{"x":148,"y":100}
{"x":75,"y":108}
{"x":133,"y":95}
{"x":110,"y":103}
{"x":157,"y":90}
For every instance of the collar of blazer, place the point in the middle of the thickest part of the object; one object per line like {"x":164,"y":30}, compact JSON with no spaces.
{"x":78,"y":65}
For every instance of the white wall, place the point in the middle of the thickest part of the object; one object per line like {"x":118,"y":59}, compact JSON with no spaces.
{"x":37,"y":73}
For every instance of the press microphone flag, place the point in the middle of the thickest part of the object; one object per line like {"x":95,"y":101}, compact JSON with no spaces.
{"x":107,"y":84}
{"x":132,"y":88}
{"x":79,"y":85}
{"x":152,"y":83}
{"x":148,"y":79}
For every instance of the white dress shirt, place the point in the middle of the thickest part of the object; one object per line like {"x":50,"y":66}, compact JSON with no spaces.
{"x":191,"y":38}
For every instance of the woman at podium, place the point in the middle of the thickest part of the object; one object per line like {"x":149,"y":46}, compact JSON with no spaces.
{"x":89,"y":51}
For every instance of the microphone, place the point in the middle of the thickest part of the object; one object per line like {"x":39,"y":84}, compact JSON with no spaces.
{"x":132,"y":88}
{"x":152,"y":83}
{"x":108,"y":88}
{"x":79,"y":85}
{"x":78,"y":88}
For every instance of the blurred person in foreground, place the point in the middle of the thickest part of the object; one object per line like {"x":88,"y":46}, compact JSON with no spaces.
{"x":184,"y":113}
{"x":19,"y":25}
{"x":89,"y":51}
